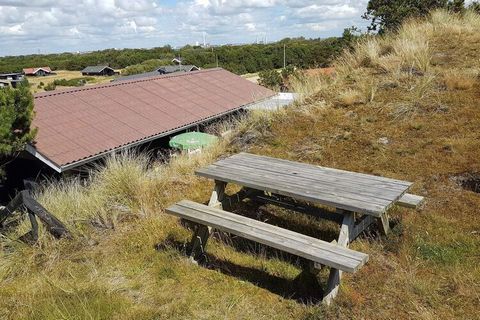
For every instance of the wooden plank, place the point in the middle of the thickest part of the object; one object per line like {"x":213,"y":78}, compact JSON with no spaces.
{"x":282,"y":239}
{"x":314,"y":173}
{"x":308,"y":168}
{"x":333,"y":284}
{"x":52,"y":223}
{"x":263,"y":183}
{"x":410,"y":201}
{"x":324,"y":184}
{"x":346,"y":184}
{"x":234,"y":218}
{"x":339,"y":185}
{"x":378,"y":195}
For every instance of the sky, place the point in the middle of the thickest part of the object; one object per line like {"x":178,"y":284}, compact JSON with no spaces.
{"x":48,"y":26}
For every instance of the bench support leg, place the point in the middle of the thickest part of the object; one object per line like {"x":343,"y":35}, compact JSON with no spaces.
{"x":344,"y":239}
{"x":201,"y":235}
{"x":384,"y":223}
{"x":199,"y":242}
{"x":218,"y":194}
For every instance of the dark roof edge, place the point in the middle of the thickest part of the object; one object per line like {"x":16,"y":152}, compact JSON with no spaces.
{"x":121,"y":83}
{"x":32,"y":150}
{"x":100,"y":68}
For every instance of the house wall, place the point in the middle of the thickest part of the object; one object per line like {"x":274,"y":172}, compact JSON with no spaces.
{"x":40,"y":73}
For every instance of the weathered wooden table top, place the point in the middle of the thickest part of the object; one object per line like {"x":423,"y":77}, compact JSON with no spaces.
{"x":357,"y":192}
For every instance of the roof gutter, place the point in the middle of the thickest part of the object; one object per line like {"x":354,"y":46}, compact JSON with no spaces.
{"x":42,"y":158}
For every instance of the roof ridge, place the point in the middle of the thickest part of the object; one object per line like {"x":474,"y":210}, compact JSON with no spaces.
{"x":120,"y":83}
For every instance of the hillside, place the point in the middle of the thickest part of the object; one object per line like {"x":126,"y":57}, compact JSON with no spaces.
{"x":403,"y":106}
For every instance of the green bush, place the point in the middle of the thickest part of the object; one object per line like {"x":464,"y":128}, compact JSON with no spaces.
{"x":16,"y":112}
{"x":75,"y":82}
{"x":50,"y":87}
{"x":270,"y":79}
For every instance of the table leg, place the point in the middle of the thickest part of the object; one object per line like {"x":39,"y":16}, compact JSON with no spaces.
{"x":218,"y":194}
{"x":344,"y":239}
{"x":384,"y":223}
{"x":201,"y":235}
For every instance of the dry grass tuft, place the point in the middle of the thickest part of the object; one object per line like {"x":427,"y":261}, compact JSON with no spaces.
{"x":459,"y":80}
{"x":349,"y":98}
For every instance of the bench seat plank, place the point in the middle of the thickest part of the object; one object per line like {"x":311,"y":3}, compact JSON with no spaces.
{"x":410,"y":201}
{"x":295,"y":243}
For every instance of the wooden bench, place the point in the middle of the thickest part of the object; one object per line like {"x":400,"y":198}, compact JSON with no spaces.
{"x":312,"y":249}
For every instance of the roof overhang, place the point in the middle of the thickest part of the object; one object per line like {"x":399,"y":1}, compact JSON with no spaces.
{"x":42,"y":158}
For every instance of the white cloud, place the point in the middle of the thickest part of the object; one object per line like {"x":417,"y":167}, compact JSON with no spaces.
{"x":27,"y":26}
{"x":16,"y":29}
{"x":330,"y":12}
{"x":250,"y":26}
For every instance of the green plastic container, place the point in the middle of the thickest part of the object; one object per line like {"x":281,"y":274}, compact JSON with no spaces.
{"x":192,"y":140}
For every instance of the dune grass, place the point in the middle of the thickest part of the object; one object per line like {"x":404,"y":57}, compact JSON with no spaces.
{"x":126,"y":259}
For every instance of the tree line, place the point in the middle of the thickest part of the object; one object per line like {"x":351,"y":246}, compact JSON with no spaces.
{"x":240,"y":59}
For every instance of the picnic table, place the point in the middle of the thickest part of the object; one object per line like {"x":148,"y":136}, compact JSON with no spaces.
{"x":359,"y":201}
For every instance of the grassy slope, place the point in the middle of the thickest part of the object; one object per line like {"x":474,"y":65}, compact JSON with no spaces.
{"x":419,"y":89}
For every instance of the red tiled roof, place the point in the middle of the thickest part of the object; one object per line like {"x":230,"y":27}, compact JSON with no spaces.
{"x":34,"y":70}
{"x":77,"y":124}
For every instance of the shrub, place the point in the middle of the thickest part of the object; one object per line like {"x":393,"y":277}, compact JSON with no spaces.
{"x":16,"y":112}
{"x":75,"y":82}
{"x":270,"y":79}
{"x":50,"y":87}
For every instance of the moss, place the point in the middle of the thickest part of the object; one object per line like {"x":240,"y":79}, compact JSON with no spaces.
{"x":91,"y":303}
{"x":445,"y":253}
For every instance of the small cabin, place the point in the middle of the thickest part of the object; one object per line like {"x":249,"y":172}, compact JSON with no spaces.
{"x":38,"y":72}
{"x":10,"y":79}
{"x":177,"y":68}
{"x":98,"y":71}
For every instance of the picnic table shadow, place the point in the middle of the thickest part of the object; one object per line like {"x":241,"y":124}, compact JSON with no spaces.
{"x":304,"y":288}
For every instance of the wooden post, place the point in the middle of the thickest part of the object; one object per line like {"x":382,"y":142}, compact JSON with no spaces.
{"x":35,"y":209}
{"x":218,"y":194}
{"x":199,"y":242}
{"x":343,"y":240}
{"x":384,"y":223}
{"x":201,"y":235}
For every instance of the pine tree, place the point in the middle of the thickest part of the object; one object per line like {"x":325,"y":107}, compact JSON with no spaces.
{"x":16,"y":115}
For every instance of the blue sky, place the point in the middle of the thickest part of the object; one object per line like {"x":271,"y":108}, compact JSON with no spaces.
{"x":32,"y":26}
